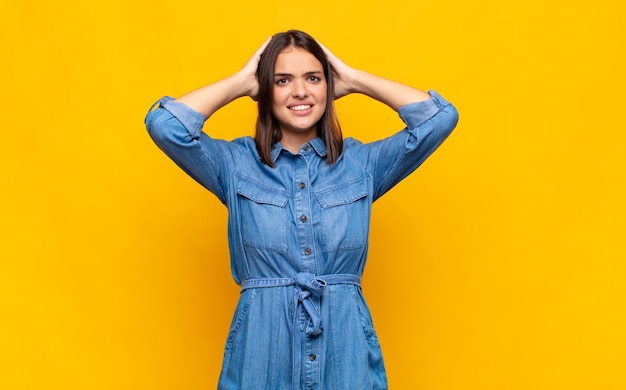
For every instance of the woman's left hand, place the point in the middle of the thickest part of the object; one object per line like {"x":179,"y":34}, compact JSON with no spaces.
{"x":349,"y":80}
{"x":344,"y":77}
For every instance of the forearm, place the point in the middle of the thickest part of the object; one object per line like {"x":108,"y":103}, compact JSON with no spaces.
{"x":210,"y":98}
{"x":389,"y":92}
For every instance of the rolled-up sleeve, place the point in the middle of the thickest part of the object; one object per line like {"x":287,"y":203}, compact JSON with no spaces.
{"x":428,"y":124}
{"x":177,"y":130}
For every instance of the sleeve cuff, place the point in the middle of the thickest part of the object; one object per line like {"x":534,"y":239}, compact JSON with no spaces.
{"x":191,"y":119}
{"x":414,"y":114}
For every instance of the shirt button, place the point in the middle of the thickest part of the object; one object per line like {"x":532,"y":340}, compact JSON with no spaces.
{"x":306,"y":148}
{"x":307,"y":251}
{"x":303,"y":218}
{"x":302,"y":185}
{"x":312,"y":357}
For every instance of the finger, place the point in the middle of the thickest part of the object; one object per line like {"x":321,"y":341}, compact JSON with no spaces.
{"x":261,"y":49}
{"x":334,"y":61}
{"x":325,"y":49}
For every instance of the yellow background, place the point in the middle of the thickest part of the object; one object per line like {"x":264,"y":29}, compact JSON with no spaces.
{"x":500,"y":264}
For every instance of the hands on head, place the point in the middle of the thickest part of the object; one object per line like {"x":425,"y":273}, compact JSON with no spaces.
{"x":248,"y":71}
{"x":347,"y":80}
{"x":344,"y":75}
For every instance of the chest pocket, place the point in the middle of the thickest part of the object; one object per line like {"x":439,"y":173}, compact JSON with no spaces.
{"x":345,"y":212}
{"x":264,"y":217}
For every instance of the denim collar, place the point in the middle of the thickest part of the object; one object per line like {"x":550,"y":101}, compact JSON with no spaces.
{"x":316,"y":143}
{"x":319,"y":146}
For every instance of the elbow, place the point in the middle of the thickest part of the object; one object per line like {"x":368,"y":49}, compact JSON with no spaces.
{"x":450,"y":118}
{"x":155,"y":126}
{"x":166,"y":130}
{"x":443,"y":122}
{"x":432,"y":133}
{"x":447,"y":116}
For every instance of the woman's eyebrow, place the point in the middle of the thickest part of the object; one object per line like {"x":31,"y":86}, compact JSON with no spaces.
{"x":283,"y":74}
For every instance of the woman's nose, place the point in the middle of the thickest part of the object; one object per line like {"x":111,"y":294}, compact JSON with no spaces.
{"x":300,"y":89}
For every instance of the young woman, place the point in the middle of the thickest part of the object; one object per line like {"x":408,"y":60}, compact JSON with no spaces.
{"x":299,"y":199}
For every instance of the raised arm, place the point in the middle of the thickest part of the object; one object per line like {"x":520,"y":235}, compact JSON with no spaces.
{"x":349,"y":80}
{"x":210,"y":98}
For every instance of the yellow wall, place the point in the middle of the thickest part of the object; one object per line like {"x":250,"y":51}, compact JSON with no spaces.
{"x":500,"y":264}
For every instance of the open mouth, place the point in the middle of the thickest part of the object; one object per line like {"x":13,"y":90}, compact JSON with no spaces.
{"x":300,"y":107}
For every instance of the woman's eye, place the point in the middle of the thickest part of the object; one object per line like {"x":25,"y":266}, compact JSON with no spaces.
{"x":314,"y":78}
{"x":281,"y":81}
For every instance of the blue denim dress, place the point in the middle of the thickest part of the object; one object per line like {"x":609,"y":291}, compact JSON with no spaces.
{"x":298,"y":243}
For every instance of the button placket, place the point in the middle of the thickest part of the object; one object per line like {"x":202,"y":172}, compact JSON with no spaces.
{"x":302,"y":210}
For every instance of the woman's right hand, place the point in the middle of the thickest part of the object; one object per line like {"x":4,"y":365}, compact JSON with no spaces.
{"x":210,"y":98}
{"x":248,"y":72}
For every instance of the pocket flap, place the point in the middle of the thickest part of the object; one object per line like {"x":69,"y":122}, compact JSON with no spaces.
{"x":341,"y":194}
{"x":260,"y":193}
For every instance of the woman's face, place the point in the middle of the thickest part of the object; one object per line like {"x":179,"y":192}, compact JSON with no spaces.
{"x":298,"y":93}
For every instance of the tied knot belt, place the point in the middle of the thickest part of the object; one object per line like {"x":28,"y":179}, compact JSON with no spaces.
{"x":308,"y":287}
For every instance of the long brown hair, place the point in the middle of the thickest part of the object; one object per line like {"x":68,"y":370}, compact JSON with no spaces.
{"x":267,"y":127}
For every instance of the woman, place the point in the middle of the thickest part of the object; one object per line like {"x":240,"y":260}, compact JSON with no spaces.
{"x":299,"y":199}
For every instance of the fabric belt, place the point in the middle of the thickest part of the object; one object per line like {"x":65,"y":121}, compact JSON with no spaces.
{"x":308,"y":287}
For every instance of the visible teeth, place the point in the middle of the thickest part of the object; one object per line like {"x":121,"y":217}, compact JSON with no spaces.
{"x":300,"y":107}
